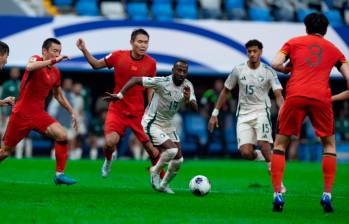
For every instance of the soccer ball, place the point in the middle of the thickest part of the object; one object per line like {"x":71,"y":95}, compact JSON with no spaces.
{"x":200,"y":185}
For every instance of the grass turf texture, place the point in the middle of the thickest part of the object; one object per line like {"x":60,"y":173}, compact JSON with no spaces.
{"x":241,"y":193}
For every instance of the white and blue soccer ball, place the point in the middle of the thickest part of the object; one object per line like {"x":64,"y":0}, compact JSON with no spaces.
{"x":200,"y":185}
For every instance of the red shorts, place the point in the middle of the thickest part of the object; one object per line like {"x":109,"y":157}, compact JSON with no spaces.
{"x":19,"y":127}
{"x":118,"y":122}
{"x":295,"y":109}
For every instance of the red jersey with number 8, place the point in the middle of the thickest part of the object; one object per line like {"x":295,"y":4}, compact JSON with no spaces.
{"x":312,"y":58}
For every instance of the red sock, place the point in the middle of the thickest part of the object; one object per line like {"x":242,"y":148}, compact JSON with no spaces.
{"x":61,"y":151}
{"x":329,"y":170}
{"x":108,"y":153}
{"x":277,"y":168}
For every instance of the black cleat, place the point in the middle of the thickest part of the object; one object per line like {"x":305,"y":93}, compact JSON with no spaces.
{"x":278,"y":203}
{"x":326,"y":204}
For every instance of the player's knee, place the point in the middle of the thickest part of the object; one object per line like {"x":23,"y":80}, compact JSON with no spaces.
{"x":171,"y":153}
{"x":247,"y":154}
{"x":176,"y":164}
{"x":110,"y":142}
{"x":62,"y":137}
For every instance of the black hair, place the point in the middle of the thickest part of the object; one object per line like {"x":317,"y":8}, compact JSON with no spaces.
{"x":136,"y":32}
{"x":4,"y":49}
{"x":316,"y":23}
{"x":181,"y":61}
{"x":254,"y":42}
{"x":49,"y":41}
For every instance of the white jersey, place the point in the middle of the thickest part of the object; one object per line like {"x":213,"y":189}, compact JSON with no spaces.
{"x":166,"y":101}
{"x":254,"y":86}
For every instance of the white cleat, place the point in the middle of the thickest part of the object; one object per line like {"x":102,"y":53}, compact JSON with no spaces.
{"x":166,"y":189}
{"x":106,"y":168}
{"x":283,"y":189}
{"x":154,"y":178}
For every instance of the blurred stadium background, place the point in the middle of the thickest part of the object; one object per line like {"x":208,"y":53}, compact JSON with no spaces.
{"x":210,"y":34}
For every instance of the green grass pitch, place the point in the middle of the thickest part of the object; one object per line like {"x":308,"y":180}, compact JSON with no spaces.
{"x":241,"y":193}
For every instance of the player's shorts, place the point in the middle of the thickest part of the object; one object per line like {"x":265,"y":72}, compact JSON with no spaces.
{"x":158,"y":135}
{"x":254,"y":127}
{"x":19,"y":127}
{"x":118,"y":122}
{"x":295,"y":109}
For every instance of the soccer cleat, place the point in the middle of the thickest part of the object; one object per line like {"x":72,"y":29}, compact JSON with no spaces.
{"x":154,"y":178}
{"x":326,"y":203}
{"x":106,"y":168}
{"x":278,"y":203}
{"x":166,"y":189}
{"x":62,"y":179}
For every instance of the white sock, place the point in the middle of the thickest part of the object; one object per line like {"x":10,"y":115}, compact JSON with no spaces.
{"x":165,"y":157}
{"x":59,"y":173}
{"x":327,"y":193}
{"x":93,"y":153}
{"x":172,"y":170}
{"x":260,"y":156}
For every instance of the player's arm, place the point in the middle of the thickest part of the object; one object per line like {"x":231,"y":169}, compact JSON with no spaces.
{"x":33,"y":64}
{"x":192,"y":104}
{"x":213,"y":122}
{"x":344,"y":70}
{"x":95,"y":63}
{"x":278,"y":63}
{"x":278,"y":97}
{"x":8,"y":101}
{"x":62,"y":100}
{"x":118,"y":96}
{"x":149,"y":93}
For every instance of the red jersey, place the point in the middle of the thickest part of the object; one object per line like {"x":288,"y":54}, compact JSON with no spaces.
{"x":312,"y":58}
{"x":35,"y":87}
{"x":126,"y":67}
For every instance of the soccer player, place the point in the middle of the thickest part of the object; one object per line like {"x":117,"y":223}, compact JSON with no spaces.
{"x":128,"y":112}
{"x":312,"y":58}
{"x":170,"y":93}
{"x":255,"y":79}
{"x":40,"y":77}
{"x":4,"y":52}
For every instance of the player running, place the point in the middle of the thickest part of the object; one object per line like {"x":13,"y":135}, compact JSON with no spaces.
{"x":312,"y":58}
{"x":128,"y":112}
{"x":255,"y":79}
{"x":4,"y":52}
{"x":170,"y":93}
{"x":40,"y":77}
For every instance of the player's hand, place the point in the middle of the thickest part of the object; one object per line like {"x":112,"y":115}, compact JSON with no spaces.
{"x":10,"y":101}
{"x":62,"y":58}
{"x":80,"y":43}
{"x":212,"y":123}
{"x":75,"y":121}
{"x":186,"y":93}
{"x":110,"y":97}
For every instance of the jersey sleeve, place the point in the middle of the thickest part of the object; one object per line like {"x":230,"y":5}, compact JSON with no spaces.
{"x":340,"y":59}
{"x":286,"y":49}
{"x":192,"y":94}
{"x":110,"y":59}
{"x":274,"y":80}
{"x":153,"y":82}
{"x":232,"y":79}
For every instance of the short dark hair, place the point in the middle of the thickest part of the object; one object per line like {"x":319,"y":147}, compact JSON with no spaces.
{"x":254,"y":42}
{"x":136,"y":32}
{"x":49,"y":41}
{"x":181,"y":61}
{"x":316,"y":23}
{"x":4,"y":49}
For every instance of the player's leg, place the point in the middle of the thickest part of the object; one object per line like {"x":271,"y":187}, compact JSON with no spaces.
{"x":109,"y":149}
{"x":173,"y":166}
{"x":246,"y":137}
{"x":247,"y":151}
{"x":16,"y":130}
{"x":57,"y":132}
{"x":321,"y":116}
{"x":290,"y":120}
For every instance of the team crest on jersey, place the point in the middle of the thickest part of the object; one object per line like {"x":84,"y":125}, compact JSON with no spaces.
{"x":243,"y":78}
{"x":134,"y":68}
{"x":260,"y":78}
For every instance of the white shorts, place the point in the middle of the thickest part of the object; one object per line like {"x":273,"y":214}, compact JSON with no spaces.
{"x":158,"y":135}
{"x":254,"y":127}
